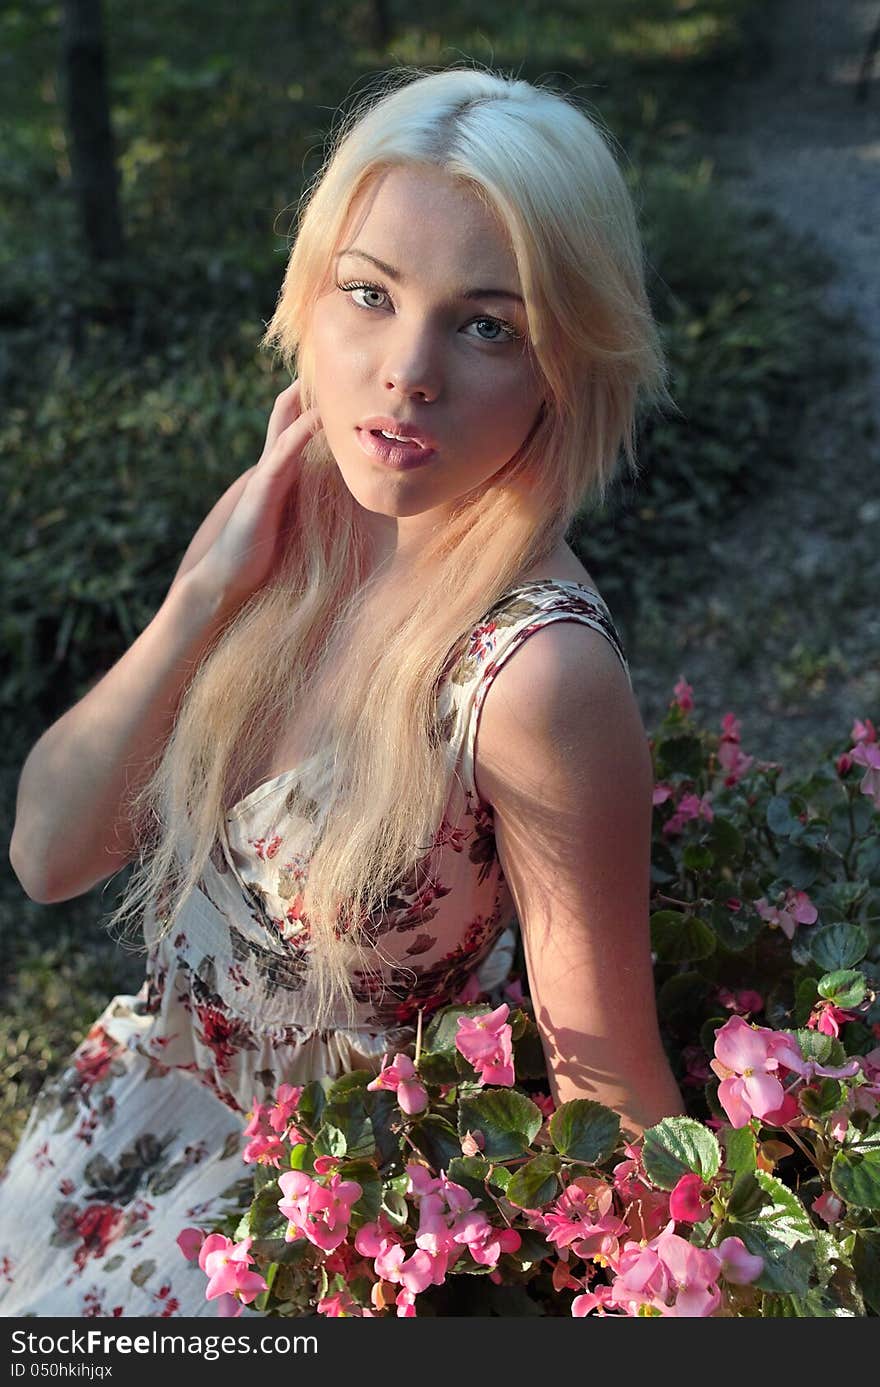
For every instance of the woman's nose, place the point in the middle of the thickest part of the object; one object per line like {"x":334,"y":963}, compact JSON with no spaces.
{"x":412,"y":367}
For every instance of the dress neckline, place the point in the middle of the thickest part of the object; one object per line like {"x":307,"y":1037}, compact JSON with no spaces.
{"x":238,"y":808}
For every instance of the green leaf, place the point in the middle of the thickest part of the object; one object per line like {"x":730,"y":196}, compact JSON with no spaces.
{"x":438,"y":1068}
{"x":395,"y":1206}
{"x":330,"y":1141}
{"x":746,"y":1197}
{"x":799,"y":866}
{"x":682,"y":993}
{"x":735,"y":929}
{"x":816,"y":1045}
{"x":725,"y":840}
{"x":821,"y":1098}
{"x":697,"y":858}
{"x":366,"y":1208}
{"x":677,"y":1146}
{"x":436,"y":1139}
{"x":781,"y":820}
{"x":471,"y":1172}
{"x":353,"y":1082}
{"x":776,"y":1227}
{"x":585,"y":1130}
{"x":740,"y":1149}
{"x":265,"y":1219}
{"x":866,"y":1265}
{"x":805,"y":997}
{"x":311,"y":1105}
{"x":535,"y":1183}
{"x":508,"y":1121}
{"x":855,"y":1175}
{"x":533,"y":1248}
{"x":678,"y":755}
{"x":529,"y":1060}
{"x":845,"y":988}
{"x":679,"y":938}
{"x":302,"y":1156}
{"x":346,"y":1122}
{"x":709,"y":1030}
{"x":440,"y":1033}
{"x":500,"y":1178}
{"x":838,"y":946}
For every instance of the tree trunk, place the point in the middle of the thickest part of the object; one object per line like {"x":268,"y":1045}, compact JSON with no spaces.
{"x":90,"y":135}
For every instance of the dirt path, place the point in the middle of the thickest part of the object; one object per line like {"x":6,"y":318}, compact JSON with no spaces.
{"x":788,"y":633}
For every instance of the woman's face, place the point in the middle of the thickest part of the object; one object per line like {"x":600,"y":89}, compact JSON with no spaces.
{"x":433,"y":338}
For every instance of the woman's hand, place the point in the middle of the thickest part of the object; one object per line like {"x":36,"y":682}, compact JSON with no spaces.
{"x":242,"y":555}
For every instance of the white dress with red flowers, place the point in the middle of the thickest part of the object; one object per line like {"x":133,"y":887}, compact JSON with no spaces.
{"x":140,"y":1136}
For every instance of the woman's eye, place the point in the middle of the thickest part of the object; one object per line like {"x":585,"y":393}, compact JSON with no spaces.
{"x":499,"y":331}
{"x":503,"y":332}
{"x":353,"y":289}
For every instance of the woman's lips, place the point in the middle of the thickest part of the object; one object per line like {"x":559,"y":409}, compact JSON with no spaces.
{"x":401,"y":456}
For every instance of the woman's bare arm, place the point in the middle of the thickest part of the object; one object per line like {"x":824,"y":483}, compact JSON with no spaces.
{"x":563,"y":758}
{"x":70,"y":827}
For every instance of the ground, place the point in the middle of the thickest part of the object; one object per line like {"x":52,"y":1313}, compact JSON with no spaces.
{"x":787,"y":633}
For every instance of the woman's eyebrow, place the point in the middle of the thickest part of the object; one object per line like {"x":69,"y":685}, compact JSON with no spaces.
{"x":390,"y":271}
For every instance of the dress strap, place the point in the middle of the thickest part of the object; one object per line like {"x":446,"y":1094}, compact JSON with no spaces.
{"x":521,"y":612}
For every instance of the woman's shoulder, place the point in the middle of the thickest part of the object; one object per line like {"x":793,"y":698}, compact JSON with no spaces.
{"x":562,"y":566}
{"x":560,"y":662}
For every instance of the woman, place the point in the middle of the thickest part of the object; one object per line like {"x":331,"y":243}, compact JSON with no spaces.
{"x":325,"y":847}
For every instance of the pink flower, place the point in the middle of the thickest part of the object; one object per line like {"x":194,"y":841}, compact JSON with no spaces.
{"x":286,"y":1100}
{"x":686,"y":1203}
{"x":265,"y":1150}
{"x":747,"y":1066}
{"x":267,"y":1120}
{"x":228,"y":1306}
{"x":582,"y":1219}
{"x":696,"y":1063}
{"x":590,"y":1300}
{"x":484,"y":1242}
{"x":828,"y":1206}
{"x":690,"y":806}
{"x":342,"y":1305}
{"x":863,"y":731}
{"x":828,"y":1018}
{"x":401,"y":1078}
{"x":545,"y":1103}
{"x":738,"y":1265}
{"x":320,"y":1213}
{"x":796,"y":909}
{"x":190,"y":1242}
{"x":645,"y":1209}
{"x":684,"y":695}
{"x":405,"y":1302}
{"x":226,"y":1265}
{"x":670,"y":1275}
{"x":743,"y":1002}
{"x":868,"y":754}
{"x":662,"y":792}
{"x":487,"y":1043}
{"x":786,"y":1113}
{"x":730,"y":755}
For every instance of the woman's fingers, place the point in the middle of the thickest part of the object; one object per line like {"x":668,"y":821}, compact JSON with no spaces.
{"x":288,"y":404}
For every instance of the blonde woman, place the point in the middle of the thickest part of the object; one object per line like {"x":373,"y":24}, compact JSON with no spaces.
{"x":383,"y":707}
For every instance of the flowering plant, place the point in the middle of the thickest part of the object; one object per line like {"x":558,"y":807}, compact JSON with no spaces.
{"x":449,"y":1184}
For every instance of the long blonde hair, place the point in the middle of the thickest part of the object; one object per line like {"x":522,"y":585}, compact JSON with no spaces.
{"x":548,"y":171}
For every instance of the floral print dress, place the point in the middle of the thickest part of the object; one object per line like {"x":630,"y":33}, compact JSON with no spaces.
{"x":141,"y":1134}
